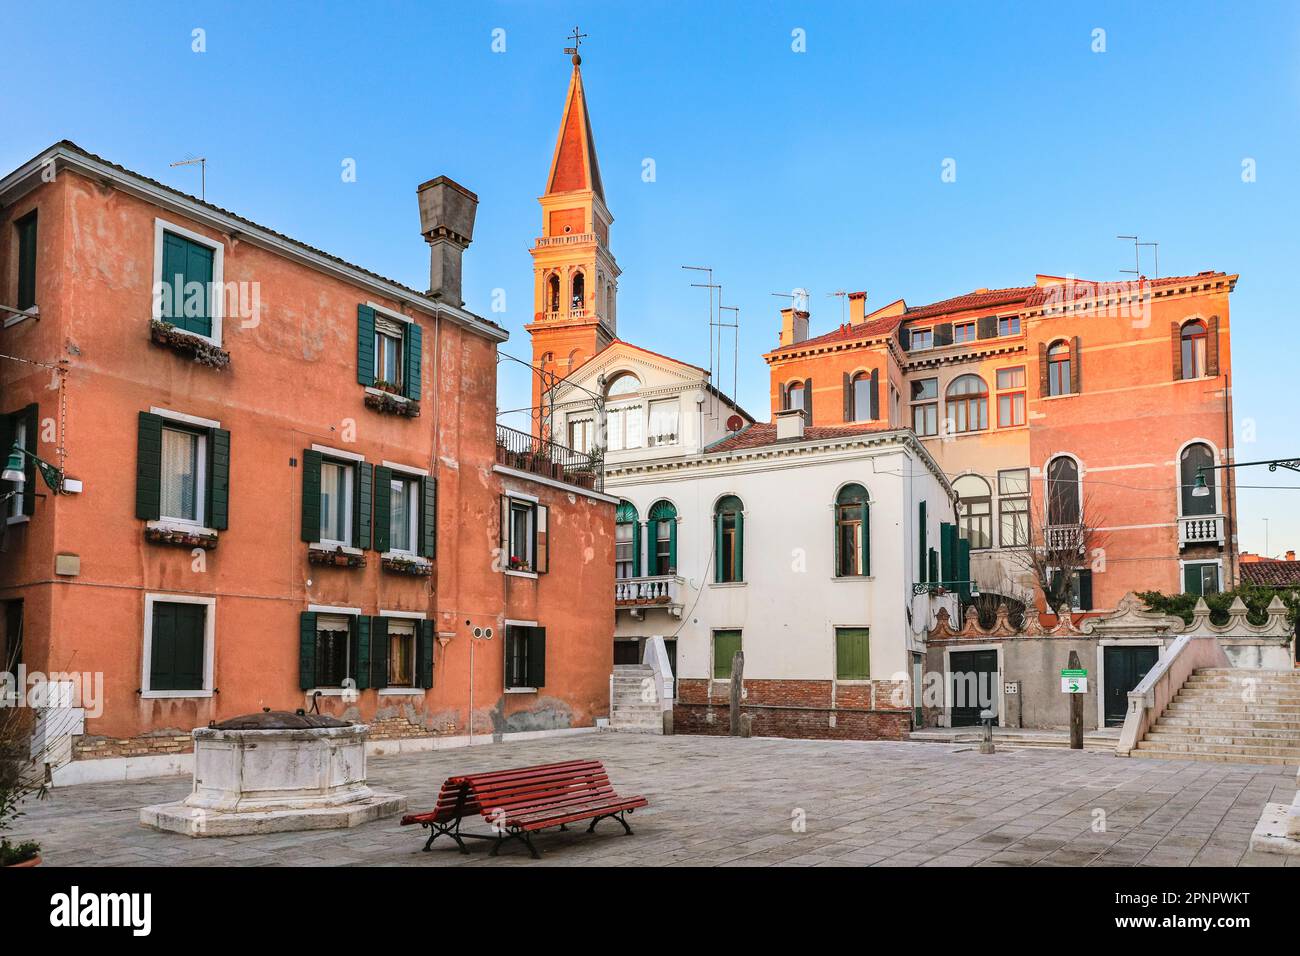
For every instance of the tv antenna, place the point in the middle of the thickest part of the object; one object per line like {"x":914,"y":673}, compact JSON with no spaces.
{"x":734,"y":325}
{"x":714,"y":331}
{"x":203,"y":173}
{"x":1137,"y":256}
{"x":843,"y":296}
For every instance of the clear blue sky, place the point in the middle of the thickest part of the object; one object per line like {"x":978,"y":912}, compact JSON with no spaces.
{"x":780,"y":169}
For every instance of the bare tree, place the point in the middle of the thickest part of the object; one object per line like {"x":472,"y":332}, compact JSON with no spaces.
{"x":1063,"y":538}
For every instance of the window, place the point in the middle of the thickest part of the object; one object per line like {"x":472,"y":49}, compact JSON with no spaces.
{"x":963,"y":332}
{"x":729,"y":540}
{"x":187,"y":281}
{"x":925,"y":407}
{"x":725,"y":645}
{"x":581,"y":433}
{"x":1201,"y":578}
{"x":403,"y":514}
{"x":663,"y":422}
{"x":852,"y":532}
{"x":334,"y":663}
{"x":182,"y":470}
{"x":1011,"y":396}
{"x":663,"y":530}
{"x":1193,"y":459}
{"x":1194,"y":340}
{"x":335,"y":503}
{"x":1079,"y":587}
{"x":627,"y":541}
{"x":388,"y":354}
{"x":1009,"y":325}
{"x":579,"y":292}
{"x":524,"y":539}
{"x":974,"y":510}
{"x":794,"y":396}
{"x":1062,"y":492}
{"x":623,"y":427}
{"x":1058,"y":369}
{"x":525,"y":656}
{"x":553,"y":293}
{"x":177,"y":645}
{"x":1013,"y":507}
{"x":623,"y":385}
{"x":852,"y":653}
{"x":18,"y":432}
{"x":861,"y":387}
{"x":182,"y":476}
{"x":26,"y":228}
{"x":401,"y":653}
{"x":968,"y":404}
{"x":921,"y":339}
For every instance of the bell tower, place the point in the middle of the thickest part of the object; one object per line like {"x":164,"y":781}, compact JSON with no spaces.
{"x":575,"y":277}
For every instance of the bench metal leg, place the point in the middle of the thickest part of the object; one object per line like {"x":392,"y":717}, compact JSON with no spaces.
{"x":438,"y":829}
{"x":627,"y":830}
{"x":520,"y":835}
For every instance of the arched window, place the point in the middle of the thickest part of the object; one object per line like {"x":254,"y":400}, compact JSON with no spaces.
{"x":729,"y":540}
{"x":553,"y":293}
{"x":1195,"y":338}
{"x":1058,"y":369}
{"x":579,"y":291}
{"x":624,"y":420}
{"x":974,"y":510}
{"x":1062,"y":492}
{"x":609,"y":301}
{"x":852,"y":532}
{"x":1192,"y":460}
{"x":627,"y":541}
{"x":968,"y":404}
{"x":794,"y":395}
{"x":623,"y":385}
{"x":663,"y":537}
{"x":860,"y":387}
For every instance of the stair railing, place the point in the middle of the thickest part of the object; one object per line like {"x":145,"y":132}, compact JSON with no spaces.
{"x":1148,"y":700}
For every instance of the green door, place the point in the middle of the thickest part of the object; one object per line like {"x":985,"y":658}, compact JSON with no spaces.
{"x":725,"y":645}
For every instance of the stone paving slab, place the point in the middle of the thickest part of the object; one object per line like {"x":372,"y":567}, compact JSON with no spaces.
{"x":717,"y":801}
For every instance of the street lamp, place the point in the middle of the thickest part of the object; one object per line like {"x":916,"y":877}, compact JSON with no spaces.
{"x":1201,"y":490}
{"x":15,"y":473}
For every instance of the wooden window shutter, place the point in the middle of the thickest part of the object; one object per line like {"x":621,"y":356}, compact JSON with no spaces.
{"x":424,"y":653}
{"x":536,"y":656}
{"x":360,"y":627}
{"x":362,"y":495}
{"x":1043,"y":387}
{"x":307,"y":650}
{"x":943,"y":334}
{"x":411,"y":371}
{"x":740,"y":545}
{"x":963,"y":567}
{"x":1085,"y":589}
{"x":717,"y":547}
{"x":672,"y":545}
{"x":986,"y":327}
{"x":31,"y":416}
{"x":428,"y":517}
{"x":365,"y":345}
{"x":835,"y":536}
{"x":783,"y":398}
{"x":148,"y":467}
{"x":807,"y":400}
{"x":866,"y":538}
{"x":505,"y":533}
{"x":311,"y":461}
{"x":1176,"y":349}
{"x":922,"y":565}
{"x":6,"y":442}
{"x":947,"y":551}
{"x":636,"y":549}
{"x":218,"y":490}
{"x":542,"y":554}
{"x":378,"y":652}
{"x":1191,"y":579}
{"x":934,"y":564}
{"x":1076,"y":366}
{"x":383,"y":509}
{"x":1211,"y":346}
{"x":848,"y":397}
{"x":875,"y":394}
{"x":26,"y":262}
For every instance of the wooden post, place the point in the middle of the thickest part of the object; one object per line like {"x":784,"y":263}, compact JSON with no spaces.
{"x":737,"y":684}
{"x":1076,"y":709}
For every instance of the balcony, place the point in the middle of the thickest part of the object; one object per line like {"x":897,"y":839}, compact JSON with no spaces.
{"x":637,"y":594}
{"x":546,"y":459}
{"x":572,"y":239}
{"x":1065,"y":536}
{"x":1202,"y":529}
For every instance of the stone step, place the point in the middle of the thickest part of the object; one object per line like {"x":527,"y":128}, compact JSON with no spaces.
{"x":1243,"y":722}
{"x":1234,"y":671}
{"x":1224,"y":739}
{"x":1242,"y":693}
{"x":1247,"y":677}
{"x":1159,"y":752}
{"x":1289,"y":754}
{"x":1273,"y":711}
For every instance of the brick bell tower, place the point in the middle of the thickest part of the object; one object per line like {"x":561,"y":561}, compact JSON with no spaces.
{"x":575,"y":277}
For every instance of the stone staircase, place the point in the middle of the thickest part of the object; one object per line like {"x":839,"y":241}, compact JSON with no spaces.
{"x":1237,"y":715}
{"x":629,"y":712}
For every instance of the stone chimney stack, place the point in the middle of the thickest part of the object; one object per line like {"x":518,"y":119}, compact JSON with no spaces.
{"x":794,"y":326}
{"x":1290,"y":555}
{"x":857,"y":308}
{"x":447,"y":221}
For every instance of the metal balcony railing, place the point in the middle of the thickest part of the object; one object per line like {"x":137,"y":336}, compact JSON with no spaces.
{"x":538,"y":456}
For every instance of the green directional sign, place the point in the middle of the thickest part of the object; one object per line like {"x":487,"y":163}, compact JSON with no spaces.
{"x":1074,"y":672}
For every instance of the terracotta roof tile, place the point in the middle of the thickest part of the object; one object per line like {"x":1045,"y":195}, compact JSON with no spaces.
{"x":764,"y":433}
{"x":1274,"y":574}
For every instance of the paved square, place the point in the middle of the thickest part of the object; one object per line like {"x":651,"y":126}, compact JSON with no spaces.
{"x":728,"y":802}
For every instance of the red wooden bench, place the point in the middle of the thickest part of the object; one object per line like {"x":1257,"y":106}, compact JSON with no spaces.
{"x":519,"y":802}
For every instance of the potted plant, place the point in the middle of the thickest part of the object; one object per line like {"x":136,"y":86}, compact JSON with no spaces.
{"x":22,"y":776}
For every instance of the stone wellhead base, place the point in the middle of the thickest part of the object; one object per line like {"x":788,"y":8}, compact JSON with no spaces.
{"x":198,"y":822}
{"x":1278,"y":830}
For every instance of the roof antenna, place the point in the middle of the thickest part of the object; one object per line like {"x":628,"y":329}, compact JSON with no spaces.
{"x":203,"y":173}
{"x":734,"y":325}
{"x":1137,"y":253}
{"x":843,"y":296}
{"x":713,"y":325}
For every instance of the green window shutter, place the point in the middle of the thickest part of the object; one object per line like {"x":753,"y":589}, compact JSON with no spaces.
{"x":636,"y":549}
{"x":411,"y":365}
{"x":174,"y":262}
{"x":725,"y":645}
{"x":875,"y":394}
{"x":934,"y":565}
{"x":361,"y":502}
{"x":176,"y":658}
{"x":839,"y":545}
{"x":185,"y":262}
{"x":31,"y":416}
{"x":26,"y":261}
{"x":963,"y":567}
{"x":921,"y":574}
{"x":536,"y":657}
{"x":383,"y":509}
{"x":378,"y":652}
{"x":428,"y":517}
{"x":740,"y":545}
{"x":361,"y":651}
{"x":1085,"y":589}
{"x":672,"y":545}
{"x":218,"y":509}
{"x":310,"y":494}
{"x":6,"y":442}
{"x":365,"y":345}
{"x":852,"y":653}
{"x":424,"y":654}
{"x":866,"y":538}
{"x":717,"y":548}
{"x":1191,"y":579}
{"x":947,"y":551}
{"x":307,"y":650}
{"x":148,"y":467}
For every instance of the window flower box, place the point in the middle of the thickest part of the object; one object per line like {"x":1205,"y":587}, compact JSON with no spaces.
{"x":519,"y":564}
{"x":387,"y":403}
{"x":181,"y":538}
{"x":168,"y":336}
{"x":338,"y":558}
{"x":411,"y":566}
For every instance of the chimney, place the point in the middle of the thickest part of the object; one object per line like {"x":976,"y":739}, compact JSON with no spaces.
{"x":790,"y":424}
{"x":1290,"y":555}
{"x":857,"y":308}
{"x":447,"y":221}
{"x":794,"y":326}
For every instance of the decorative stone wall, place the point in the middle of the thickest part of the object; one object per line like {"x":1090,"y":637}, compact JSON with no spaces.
{"x":816,"y":709}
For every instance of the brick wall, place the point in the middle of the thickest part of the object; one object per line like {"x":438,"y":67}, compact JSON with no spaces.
{"x":97,"y":748}
{"x":871,"y":710}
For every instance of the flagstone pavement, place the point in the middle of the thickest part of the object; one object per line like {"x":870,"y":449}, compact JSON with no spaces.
{"x":718,"y":801}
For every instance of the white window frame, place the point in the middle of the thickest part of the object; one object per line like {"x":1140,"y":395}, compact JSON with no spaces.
{"x":974,"y":332}
{"x":653,"y":441}
{"x":200,"y":479}
{"x":412,"y":484}
{"x":1010,"y":318}
{"x":531,"y":504}
{"x":505,"y":637}
{"x":912,"y":345}
{"x":217,"y":294}
{"x":209,"y":643}
{"x":1182,"y":572}
{"x":347,"y":612}
{"x":349,"y":477}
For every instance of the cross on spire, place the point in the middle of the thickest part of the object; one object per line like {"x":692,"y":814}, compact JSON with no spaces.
{"x":577,"y":39}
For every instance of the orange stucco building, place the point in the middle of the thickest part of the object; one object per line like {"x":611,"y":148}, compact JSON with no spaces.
{"x":286,"y":486}
{"x":1114,"y":395}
